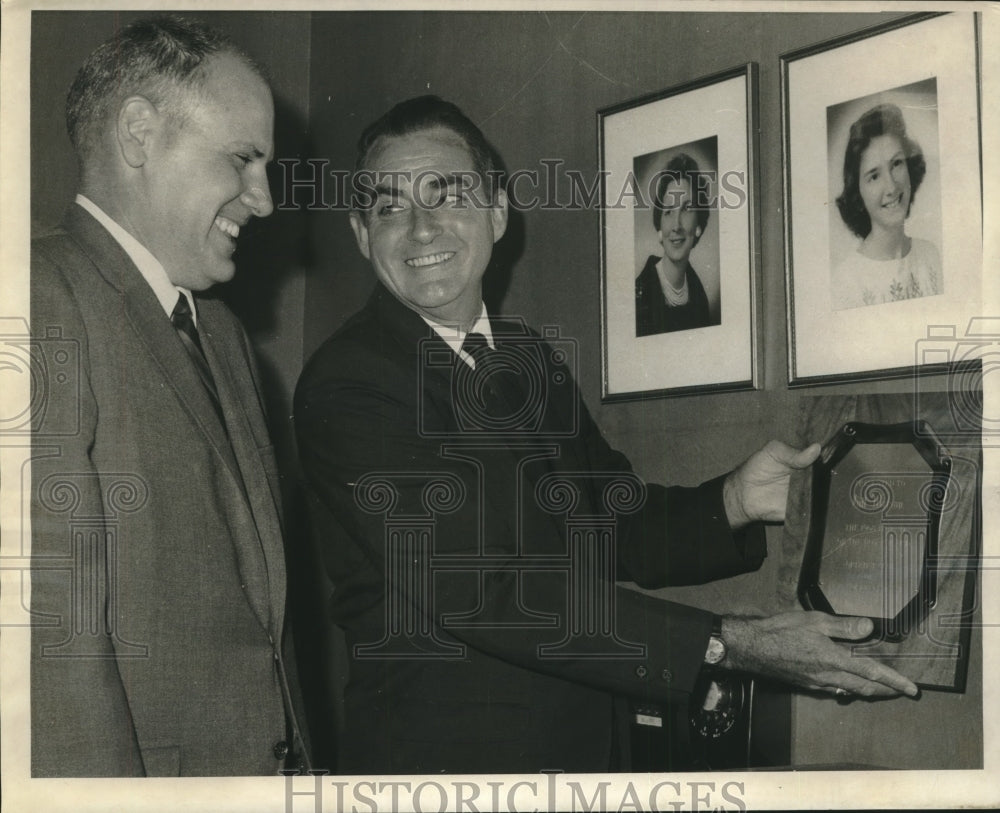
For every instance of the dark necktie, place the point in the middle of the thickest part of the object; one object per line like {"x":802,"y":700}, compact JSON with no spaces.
{"x":475,"y":345}
{"x":183,"y":320}
{"x":493,"y":393}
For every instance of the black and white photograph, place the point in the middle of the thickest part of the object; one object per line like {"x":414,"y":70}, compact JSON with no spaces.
{"x":877,"y":165}
{"x":892,"y":243}
{"x":485,"y":407}
{"x":681,"y":298}
{"x":670,"y":294}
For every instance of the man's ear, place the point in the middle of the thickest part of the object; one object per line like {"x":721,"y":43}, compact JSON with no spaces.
{"x":360,"y":229}
{"x":498,"y":212}
{"x":138,"y":121}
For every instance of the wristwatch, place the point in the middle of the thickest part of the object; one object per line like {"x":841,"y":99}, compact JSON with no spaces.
{"x":716,"y":651}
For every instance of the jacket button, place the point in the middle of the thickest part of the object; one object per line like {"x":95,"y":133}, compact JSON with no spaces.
{"x":280,"y":749}
{"x":640,"y":671}
{"x":667,"y":675}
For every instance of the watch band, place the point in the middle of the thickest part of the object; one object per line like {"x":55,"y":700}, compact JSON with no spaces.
{"x":716,"y":651}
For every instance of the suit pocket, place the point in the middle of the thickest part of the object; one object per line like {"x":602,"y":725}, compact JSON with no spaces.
{"x":162,"y":761}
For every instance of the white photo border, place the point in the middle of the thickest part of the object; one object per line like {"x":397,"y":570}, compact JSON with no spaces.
{"x":719,"y":358}
{"x":888,"y":340}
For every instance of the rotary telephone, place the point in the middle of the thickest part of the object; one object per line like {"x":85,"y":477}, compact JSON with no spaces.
{"x":711,"y":732}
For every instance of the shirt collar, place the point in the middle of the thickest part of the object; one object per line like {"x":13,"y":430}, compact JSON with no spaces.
{"x":150,"y":268}
{"x":454,"y":336}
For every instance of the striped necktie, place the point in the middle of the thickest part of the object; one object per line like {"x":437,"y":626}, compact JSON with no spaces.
{"x":183,"y":321}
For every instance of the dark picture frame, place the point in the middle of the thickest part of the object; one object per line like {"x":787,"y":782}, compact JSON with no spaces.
{"x":857,"y":309}
{"x":878,"y":495}
{"x":689,"y":148}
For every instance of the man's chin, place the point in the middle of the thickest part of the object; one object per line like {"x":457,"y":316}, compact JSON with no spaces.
{"x":220,"y":273}
{"x":447,"y":309}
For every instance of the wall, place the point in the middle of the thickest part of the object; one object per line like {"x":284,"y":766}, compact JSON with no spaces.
{"x":534,"y":82}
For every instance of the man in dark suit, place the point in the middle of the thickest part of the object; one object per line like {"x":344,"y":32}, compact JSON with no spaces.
{"x":475,"y":520}
{"x":158,"y":581}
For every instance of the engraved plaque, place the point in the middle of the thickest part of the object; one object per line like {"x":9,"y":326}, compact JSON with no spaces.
{"x":877,"y":496}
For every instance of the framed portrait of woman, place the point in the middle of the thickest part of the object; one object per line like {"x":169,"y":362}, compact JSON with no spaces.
{"x":883,"y":199}
{"x":679,"y":280}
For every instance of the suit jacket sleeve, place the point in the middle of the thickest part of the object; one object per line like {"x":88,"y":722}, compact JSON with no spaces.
{"x":81,"y":725}
{"x":356,"y":413}
{"x":682,"y":535}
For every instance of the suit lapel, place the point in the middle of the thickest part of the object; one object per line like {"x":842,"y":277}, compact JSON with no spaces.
{"x":264,"y":563}
{"x":145,"y":317}
{"x":424,"y":353}
{"x":434,"y":396}
{"x":541,"y":440}
{"x":142,"y":311}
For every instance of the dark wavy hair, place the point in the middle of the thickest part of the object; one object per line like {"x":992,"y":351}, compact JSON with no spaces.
{"x":681,"y":166}
{"x":883,"y":119}
{"x":160,"y":58}
{"x":426,"y":113}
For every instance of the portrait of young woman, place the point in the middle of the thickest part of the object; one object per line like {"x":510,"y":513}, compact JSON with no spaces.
{"x":881,"y":252}
{"x":677,"y":287}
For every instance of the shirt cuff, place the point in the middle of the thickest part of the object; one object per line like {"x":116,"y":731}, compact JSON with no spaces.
{"x":750,"y":541}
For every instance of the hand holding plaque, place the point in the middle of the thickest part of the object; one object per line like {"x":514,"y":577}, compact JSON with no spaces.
{"x":801,"y":648}
{"x":757,"y":490}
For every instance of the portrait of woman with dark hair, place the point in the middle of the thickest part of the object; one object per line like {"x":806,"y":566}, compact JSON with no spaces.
{"x":883,"y":169}
{"x":669,"y":296}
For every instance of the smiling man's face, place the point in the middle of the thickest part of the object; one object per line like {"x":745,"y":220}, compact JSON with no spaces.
{"x":204,"y":178}
{"x":428,"y":241}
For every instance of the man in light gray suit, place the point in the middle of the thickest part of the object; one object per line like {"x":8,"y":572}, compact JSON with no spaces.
{"x":158,"y":573}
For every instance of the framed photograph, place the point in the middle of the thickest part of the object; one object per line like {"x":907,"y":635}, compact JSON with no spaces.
{"x":679,"y":232}
{"x":883,"y":198}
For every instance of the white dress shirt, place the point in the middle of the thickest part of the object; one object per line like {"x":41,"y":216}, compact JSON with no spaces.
{"x":150,"y":268}
{"x":455,"y":336}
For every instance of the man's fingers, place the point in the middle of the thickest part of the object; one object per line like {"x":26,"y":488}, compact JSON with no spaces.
{"x":876,"y":688}
{"x":881,"y":675}
{"x":806,"y":457}
{"x":848,"y":628}
{"x":875,"y":680}
{"x":791,"y":457}
{"x":869,"y":677}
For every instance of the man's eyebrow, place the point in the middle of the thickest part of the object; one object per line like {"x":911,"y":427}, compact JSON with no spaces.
{"x":451,"y":179}
{"x":435,"y":180}
{"x":386,"y":188}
